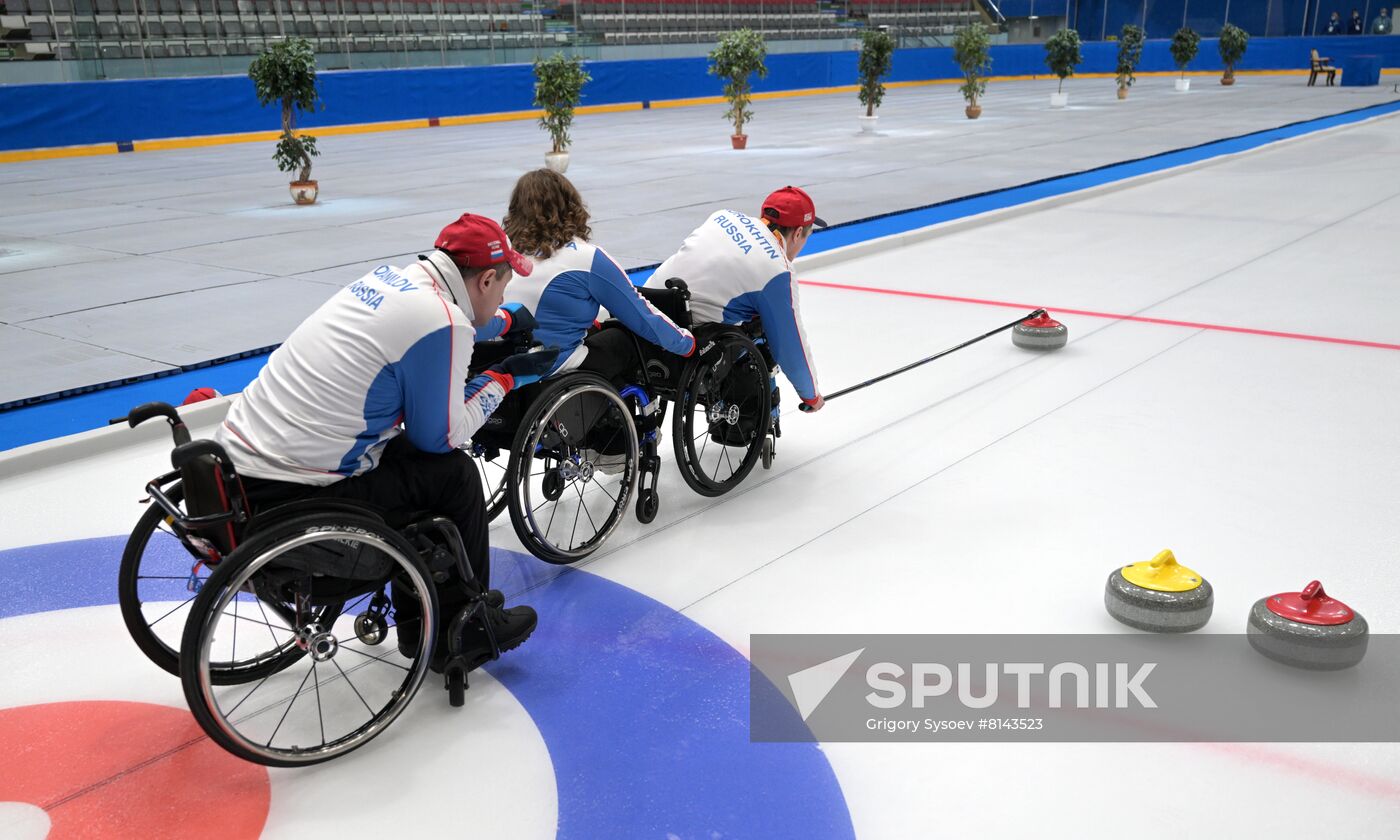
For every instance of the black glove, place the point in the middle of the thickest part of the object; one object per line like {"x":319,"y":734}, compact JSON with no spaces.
{"x":518,"y":319}
{"x":526,"y":368}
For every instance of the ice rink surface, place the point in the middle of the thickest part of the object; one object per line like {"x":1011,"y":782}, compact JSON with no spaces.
{"x":100,"y":256}
{"x":997,"y":485}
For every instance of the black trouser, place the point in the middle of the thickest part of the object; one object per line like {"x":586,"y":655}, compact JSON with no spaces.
{"x":612,"y":354}
{"x":407,"y":480}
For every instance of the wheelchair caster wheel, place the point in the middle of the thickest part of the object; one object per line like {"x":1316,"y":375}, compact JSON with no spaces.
{"x":370,"y":628}
{"x":553,"y":485}
{"x":648,"y":503}
{"x":767,"y":456}
{"x":456,"y":687}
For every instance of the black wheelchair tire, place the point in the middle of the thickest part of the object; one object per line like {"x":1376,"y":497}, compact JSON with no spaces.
{"x":158,"y":652}
{"x":521,"y":463}
{"x":683,"y":421}
{"x":234,"y":565}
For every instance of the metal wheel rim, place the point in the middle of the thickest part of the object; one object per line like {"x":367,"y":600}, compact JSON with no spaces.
{"x":694,"y":413}
{"x":523,"y":487}
{"x":359,"y":736}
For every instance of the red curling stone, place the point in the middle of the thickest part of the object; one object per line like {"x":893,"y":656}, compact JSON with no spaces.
{"x":1308,"y":629}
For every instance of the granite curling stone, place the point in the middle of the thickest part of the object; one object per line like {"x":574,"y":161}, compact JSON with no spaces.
{"x":1308,"y":629}
{"x":1161,"y":596}
{"x":1040,"y":333}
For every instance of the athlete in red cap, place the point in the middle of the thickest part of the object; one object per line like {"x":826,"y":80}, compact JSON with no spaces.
{"x":370,"y":398}
{"x":739,"y":267}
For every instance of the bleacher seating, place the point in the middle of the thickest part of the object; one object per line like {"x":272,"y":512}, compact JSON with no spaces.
{"x":112,"y":29}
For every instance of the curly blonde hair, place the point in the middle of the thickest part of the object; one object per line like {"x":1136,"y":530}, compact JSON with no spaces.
{"x":546,"y":213}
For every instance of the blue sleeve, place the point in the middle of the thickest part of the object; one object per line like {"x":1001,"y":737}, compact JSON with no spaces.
{"x":441,"y":408}
{"x":610,"y":286}
{"x":495,"y":328}
{"x":782,"y":326}
{"x":424,"y":374}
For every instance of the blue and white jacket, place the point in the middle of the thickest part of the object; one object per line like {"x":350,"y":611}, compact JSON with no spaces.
{"x":737,"y":269}
{"x":391,"y":348}
{"x":566,"y":291}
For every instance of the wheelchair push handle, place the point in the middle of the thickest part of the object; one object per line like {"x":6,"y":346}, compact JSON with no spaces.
{"x":146,"y":411}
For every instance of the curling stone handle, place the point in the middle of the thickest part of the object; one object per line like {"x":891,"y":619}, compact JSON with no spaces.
{"x":1313,"y":590}
{"x":1163,"y":559}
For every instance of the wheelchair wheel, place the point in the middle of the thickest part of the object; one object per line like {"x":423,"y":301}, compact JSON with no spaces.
{"x":491,"y":466}
{"x":157,"y":582}
{"x":320,"y":572}
{"x":722,"y":415}
{"x":573,"y":468}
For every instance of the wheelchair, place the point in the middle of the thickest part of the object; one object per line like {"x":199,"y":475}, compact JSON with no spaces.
{"x":304,"y":628}
{"x":578,"y":447}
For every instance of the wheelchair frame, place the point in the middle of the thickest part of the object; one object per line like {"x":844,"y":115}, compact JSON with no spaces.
{"x":418,"y":550}
{"x":722,"y":350}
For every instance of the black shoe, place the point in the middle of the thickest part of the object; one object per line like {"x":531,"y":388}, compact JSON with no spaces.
{"x":511,"y":628}
{"x":408,"y":645}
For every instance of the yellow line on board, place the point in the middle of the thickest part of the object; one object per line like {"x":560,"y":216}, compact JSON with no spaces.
{"x":512,"y":116}
{"x":58,"y":152}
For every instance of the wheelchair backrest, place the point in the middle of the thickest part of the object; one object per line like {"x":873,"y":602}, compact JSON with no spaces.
{"x":672,"y":301}
{"x":212,"y":493}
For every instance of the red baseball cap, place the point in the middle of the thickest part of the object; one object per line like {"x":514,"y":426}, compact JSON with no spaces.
{"x":791,"y":207}
{"x":478,"y":242}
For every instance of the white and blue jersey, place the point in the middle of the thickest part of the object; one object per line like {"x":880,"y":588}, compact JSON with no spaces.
{"x":737,"y":269}
{"x":566,"y":291}
{"x":391,"y":348}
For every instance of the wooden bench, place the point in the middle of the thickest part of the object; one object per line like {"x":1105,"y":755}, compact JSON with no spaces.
{"x":1320,"y":65}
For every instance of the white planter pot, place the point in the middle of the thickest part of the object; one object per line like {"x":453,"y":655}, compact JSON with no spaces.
{"x":1059,"y":100}
{"x":557,"y":161}
{"x":1183,"y":85}
{"x":304,"y":192}
{"x":867,"y":124}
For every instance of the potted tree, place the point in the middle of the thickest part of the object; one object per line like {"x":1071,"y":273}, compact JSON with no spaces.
{"x":1233,"y":42}
{"x":285,"y":73}
{"x":559,"y":82}
{"x":876,"y":56}
{"x":972,"y":51}
{"x":1062,"y":55}
{"x":1129,"y":52}
{"x":1185,"y":44}
{"x":737,"y":56}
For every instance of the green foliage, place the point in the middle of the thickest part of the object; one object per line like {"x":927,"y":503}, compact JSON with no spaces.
{"x":876,"y":56}
{"x":1062,"y":54}
{"x":295,"y":153}
{"x":1185,"y":44}
{"x":285,"y":73}
{"x":1129,"y":52}
{"x":972,"y":50}
{"x":559,"y":82}
{"x":738,"y":55}
{"x":1233,"y":42}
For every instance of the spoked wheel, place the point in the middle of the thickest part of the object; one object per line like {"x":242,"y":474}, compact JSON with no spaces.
{"x":722,"y":415}
{"x":491,"y":466}
{"x":158,"y":581}
{"x":322,"y":572}
{"x":573,"y":468}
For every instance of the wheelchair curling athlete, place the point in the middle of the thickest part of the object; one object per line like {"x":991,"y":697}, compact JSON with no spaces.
{"x":739,"y":268}
{"x":573,"y":279}
{"x":322,"y":419}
